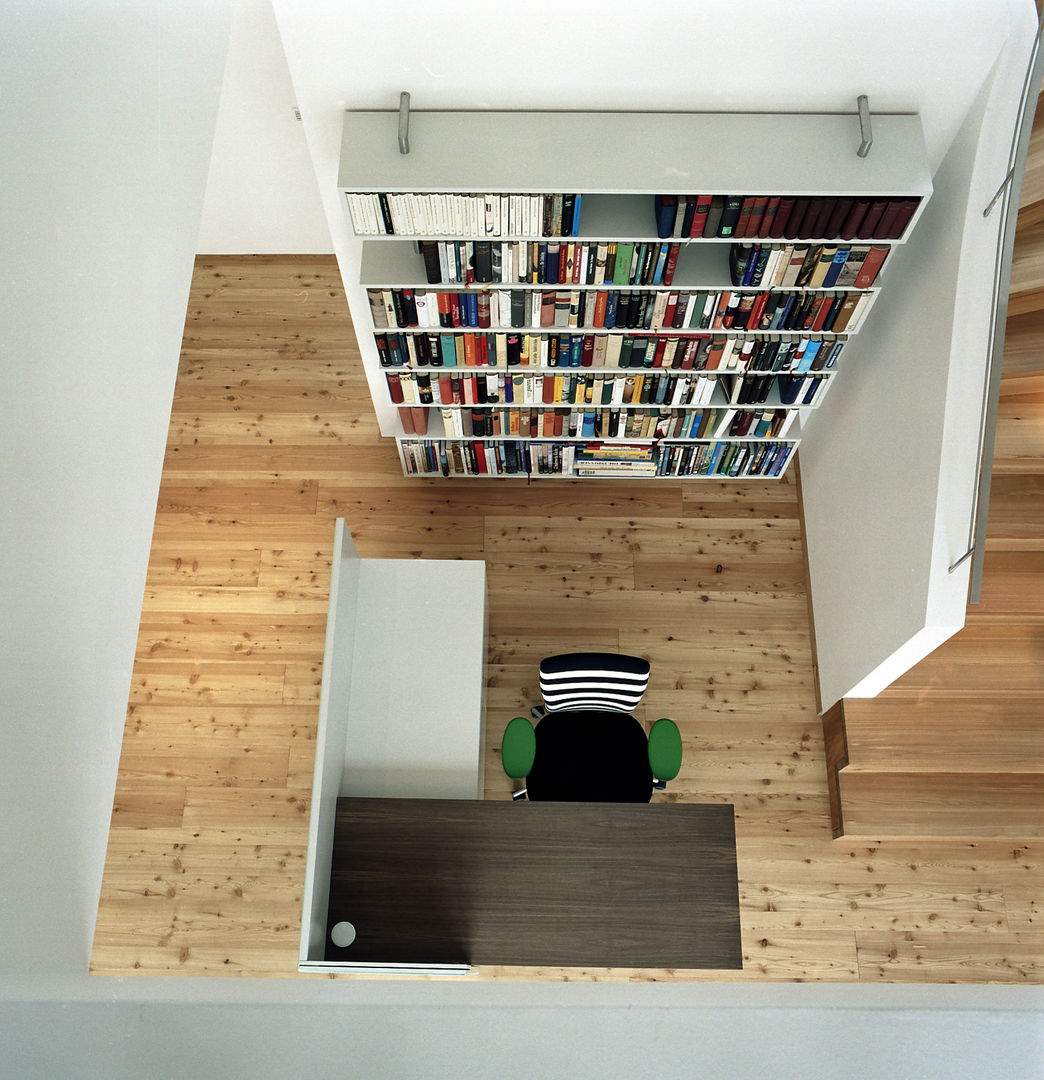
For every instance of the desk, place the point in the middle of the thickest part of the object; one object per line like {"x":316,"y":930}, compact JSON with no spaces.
{"x":576,"y":884}
{"x":590,"y":755}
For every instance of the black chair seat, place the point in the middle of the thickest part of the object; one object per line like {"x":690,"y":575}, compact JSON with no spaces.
{"x":590,"y":755}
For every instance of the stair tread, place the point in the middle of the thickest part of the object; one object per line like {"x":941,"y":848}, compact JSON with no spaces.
{"x":942,"y":804}
{"x":947,"y":732}
{"x":1005,"y":657}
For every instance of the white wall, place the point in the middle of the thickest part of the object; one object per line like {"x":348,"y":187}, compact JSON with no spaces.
{"x":117,"y":103}
{"x":261,"y":194}
{"x":105,"y":128}
{"x":886,"y":520}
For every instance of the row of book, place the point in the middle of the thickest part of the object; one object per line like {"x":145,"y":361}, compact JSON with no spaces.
{"x":455,"y":214}
{"x":516,"y":458}
{"x":698,"y":352}
{"x":812,"y":266}
{"x":484,"y":262}
{"x":421,"y":388}
{"x":813,"y":310}
{"x":698,"y":423}
{"x":846,"y":217}
{"x":551,"y":263}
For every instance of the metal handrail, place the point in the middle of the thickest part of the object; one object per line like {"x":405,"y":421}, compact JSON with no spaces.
{"x":1006,"y":194}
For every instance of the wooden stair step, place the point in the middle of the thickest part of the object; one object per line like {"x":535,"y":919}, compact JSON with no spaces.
{"x":944,"y":732}
{"x":984,"y":657}
{"x":1019,"y":442}
{"x":1016,"y":507}
{"x":876,"y":803}
{"x":1022,"y":337}
{"x":1012,"y":587}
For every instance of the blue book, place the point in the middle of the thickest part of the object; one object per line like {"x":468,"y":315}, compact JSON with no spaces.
{"x":665,"y":207}
{"x":612,"y":300}
{"x":471,"y":309}
{"x":576,"y":350}
{"x":661,"y":262}
{"x":448,"y":347}
{"x":805,"y":363}
{"x":783,"y":312}
{"x":840,"y":257}
{"x":752,"y":264}
{"x":588,"y":427}
{"x":575,"y":228}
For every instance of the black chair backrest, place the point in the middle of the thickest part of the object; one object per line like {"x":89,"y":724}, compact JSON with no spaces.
{"x":593,"y":681}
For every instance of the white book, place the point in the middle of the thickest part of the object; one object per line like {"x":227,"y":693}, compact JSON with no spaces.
{"x":504,"y":298}
{"x":690,"y":307}
{"x":376,"y":218}
{"x":612,"y":350}
{"x":726,"y":363}
{"x":445,"y":274}
{"x":724,"y":423}
{"x":420,"y":302}
{"x":659,"y":307}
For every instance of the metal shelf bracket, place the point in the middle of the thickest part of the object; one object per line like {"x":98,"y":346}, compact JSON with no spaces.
{"x":867,"y":136}
{"x":404,"y":123}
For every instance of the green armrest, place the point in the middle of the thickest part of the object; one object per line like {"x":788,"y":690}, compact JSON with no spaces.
{"x":665,"y":749}
{"x":518,"y":749}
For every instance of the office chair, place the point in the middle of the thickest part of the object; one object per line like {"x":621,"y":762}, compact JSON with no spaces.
{"x":589,"y":698}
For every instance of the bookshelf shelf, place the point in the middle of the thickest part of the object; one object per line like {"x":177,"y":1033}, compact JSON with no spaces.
{"x":424,"y":219}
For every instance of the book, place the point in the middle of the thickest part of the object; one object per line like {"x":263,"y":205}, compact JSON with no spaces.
{"x":665,"y":208}
{"x":730,"y":212}
{"x":872,"y":263}
{"x":713,"y":217}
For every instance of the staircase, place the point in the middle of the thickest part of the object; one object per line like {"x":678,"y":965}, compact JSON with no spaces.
{"x":956,"y":746}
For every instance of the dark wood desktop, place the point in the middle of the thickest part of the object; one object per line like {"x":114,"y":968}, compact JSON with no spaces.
{"x":565,"y":884}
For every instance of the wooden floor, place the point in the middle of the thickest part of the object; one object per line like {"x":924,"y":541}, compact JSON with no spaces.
{"x":272,"y":436}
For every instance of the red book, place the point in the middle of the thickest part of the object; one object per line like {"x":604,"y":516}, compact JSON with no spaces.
{"x":769,"y":217}
{"x":717,"y":347}
{"x":547,"y":309}
{"x":668,"y":311}
{"x":895,"y":219}
{"x":699,"y":219}
{"x":756,"y":310}
{"x":446,"y":388}
{"x":548,"y":391}
{"x":855,"y":217}
{"x":871,"y":264}
{"x":481,"y":350}
{"x":443,"y":302}
{"x":672,"y":262}
{"x":406,"y":419}
{"x":783,"y":212}
{"x":842,"y":208}
{"x":565,"y":271}
{"x":757,"y":214}
{"x":692,"y":346}
{"x":454,"y":302}
{"x":483,"y":310}
{"x":820,"y":313}
{"x":874,"y":213}
{"x":558,"y":422}
{"x":661,"y":345}
{"x":743,"y":221}
{"x":587,"y":353}
{"x":575,"y":260}
{"x":601,"y":299}
{"x":719,"y":315}
{"x":394,"y":388}
{"x":420,"y":419}
{"x":796,"y":219}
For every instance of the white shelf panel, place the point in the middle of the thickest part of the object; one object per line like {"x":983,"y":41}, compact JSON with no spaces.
{"x":687,"y":153}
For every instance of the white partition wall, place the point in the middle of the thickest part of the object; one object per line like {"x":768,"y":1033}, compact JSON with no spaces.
{"x":401,"y":708}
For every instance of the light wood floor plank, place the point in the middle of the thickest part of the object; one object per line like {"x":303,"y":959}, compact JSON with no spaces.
{"x":272,"y":436}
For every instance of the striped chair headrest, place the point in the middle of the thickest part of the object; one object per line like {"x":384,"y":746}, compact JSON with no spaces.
{"x":593,"y":681}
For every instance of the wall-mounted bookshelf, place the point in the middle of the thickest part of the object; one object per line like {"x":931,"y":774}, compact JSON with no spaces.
{"x":582,"y":295}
